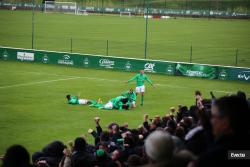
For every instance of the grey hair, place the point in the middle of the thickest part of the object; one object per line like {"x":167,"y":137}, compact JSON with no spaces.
{"x":159,"y":146}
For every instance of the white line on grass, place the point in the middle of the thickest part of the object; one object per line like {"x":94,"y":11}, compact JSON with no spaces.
{"x":93,"y":78}
{"x":103,"y":79}
{"x":112,"y":80}
{"x":38,"y":82}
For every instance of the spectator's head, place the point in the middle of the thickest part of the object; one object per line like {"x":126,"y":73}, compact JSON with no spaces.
{"x":182,"y":158}
{"x":116,"y":155}
{"x":242,"y":95}
{"x":193,"y":111}
{"x":184,"y":110}
{"x":54,"y":149}
{"x":104,"y":137}
{"x":115,"y":129}
{"x":134,"y":160}
{"x":111,"y":127}
{"x":136,"y":136}
{"x":230,"y":114}
{"x":179,"y":107}
{"x":197,"y":93}
{"x":16,"y":156}
{"x":180,"y":132}
{"x":36,"y":156}
{"x":141,"y":71}
{"x":104,"y":146}
{"x":171,"y":124}
{"x":68,"y":97}
{"x":142,"y":129}
{"x":159,"y":146}
{"x":153,"y":126}
{"x":157,"y":119}
{"x":188,"y":121}
{"x":172,"y":110}
{"x":101,"y":155}
{"x":80,"y":144}
{"x":129,"y":141}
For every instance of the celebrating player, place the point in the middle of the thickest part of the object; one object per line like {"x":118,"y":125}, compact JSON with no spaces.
{"x":140,"y":87}
{"x":119,"y":103}
{"x":77,"y":100}
{"x":131,"y":96}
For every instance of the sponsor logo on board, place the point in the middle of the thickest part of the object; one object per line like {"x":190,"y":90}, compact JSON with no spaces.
{"x":128,"y":66}
{"x":86,"y":62}
{"x":106,"y":63}
{"x":149,"y":67}
{"x":5,"y":55}
{"x":25,"y":56}
{"x":223,"y":75}
{"x":244,"y":75}
{"x":170,"y":69}
{"x":45,"y":59}
{"x":66,"y":59}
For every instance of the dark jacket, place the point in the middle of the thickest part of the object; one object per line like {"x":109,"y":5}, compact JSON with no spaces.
{"x":81,"y":159}
{"x":218,"y":154}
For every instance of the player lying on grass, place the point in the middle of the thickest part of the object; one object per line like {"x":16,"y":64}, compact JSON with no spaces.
{"x":119,"y":103}
{"x":140,"y":87}
{"x":77,"y":100}
{"x":131,"y":96}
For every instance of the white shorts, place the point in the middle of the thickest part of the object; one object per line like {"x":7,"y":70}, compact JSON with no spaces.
{"x":140,"y":89}
{"x":133,"y":103}
{"x":109,"y":105}
{"x":82,"y":101}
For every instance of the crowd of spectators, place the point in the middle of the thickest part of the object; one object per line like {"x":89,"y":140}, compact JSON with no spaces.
{"x":199,"y":136}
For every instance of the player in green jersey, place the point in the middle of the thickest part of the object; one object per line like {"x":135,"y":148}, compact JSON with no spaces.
{"x":119,"y":103}
{"x":131,"y":97}
{"x":114,"y":103}
{"x":77,"y":100}
{"x":140,"y":87}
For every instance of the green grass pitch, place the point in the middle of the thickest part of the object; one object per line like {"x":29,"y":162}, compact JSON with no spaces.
{"x":34,"y":109}
{"x":214,"y":41}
